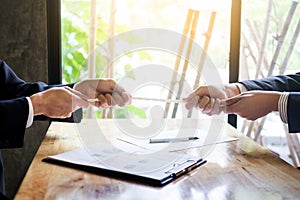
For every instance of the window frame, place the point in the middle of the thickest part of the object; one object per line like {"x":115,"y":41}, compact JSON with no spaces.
{"x":54,"y":41}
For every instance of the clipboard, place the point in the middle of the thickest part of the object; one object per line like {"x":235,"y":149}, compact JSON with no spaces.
{"x":161,"y":177}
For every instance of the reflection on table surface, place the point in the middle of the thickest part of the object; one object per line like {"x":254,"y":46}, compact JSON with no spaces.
{"x":238,"y":169}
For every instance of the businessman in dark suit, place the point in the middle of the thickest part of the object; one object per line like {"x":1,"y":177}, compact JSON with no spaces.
{"x":253,"y":99}
{"x":21,"y":101}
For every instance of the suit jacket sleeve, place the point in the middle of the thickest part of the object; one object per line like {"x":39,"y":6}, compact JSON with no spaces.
{"x":14,"y":107}
{"x":13,"y":118}
{"x":282,"y":83}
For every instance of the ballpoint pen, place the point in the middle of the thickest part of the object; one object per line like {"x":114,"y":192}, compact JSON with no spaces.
{"x":161,"y":100}
{"x":93,"y":100}
{"x":147,"y":99}
{"x":173,"y":140}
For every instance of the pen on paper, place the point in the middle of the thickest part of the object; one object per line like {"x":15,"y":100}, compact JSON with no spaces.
{"x":146,"y":99}
{"x":172,"y":140}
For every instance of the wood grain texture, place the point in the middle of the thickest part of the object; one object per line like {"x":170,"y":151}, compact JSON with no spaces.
{"x":239,"y":169}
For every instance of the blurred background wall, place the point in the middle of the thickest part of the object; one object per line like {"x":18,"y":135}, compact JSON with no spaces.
{"x":23,"y":45}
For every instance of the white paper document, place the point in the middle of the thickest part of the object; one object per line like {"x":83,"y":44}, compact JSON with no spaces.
{"x":153,"y":168}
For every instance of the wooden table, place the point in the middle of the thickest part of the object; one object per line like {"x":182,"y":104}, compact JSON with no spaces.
{"x":239,"y":169}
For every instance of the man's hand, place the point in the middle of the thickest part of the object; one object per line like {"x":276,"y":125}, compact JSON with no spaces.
{"x":107,"y":91}
{"x":253,"y":104}
{"x":58,"y":102}
{"x":208,"y":98}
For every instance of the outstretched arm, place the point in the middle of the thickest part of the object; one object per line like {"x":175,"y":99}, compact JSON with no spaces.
{"x":253,"y":104}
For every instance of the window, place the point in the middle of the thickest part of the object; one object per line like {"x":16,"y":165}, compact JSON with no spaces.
{"x":86,"y":25}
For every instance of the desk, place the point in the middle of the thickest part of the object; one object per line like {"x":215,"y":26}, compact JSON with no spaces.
{"x":239,"y":169}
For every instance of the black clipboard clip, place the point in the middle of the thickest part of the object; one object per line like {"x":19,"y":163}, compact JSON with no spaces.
{"x":180,"y":168}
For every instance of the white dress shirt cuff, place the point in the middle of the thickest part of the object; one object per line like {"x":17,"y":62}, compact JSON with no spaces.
{"x":30,"y":113}
{"x":282,"y":106}
{"x":241,"y":87}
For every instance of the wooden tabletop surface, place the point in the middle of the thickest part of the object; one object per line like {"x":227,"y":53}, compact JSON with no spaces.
{"x":239,"y":169}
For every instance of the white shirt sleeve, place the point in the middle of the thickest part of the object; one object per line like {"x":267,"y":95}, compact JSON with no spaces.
{"x":282,"y":106}
{"x":30,"y":113}
{"x":241,"y":87}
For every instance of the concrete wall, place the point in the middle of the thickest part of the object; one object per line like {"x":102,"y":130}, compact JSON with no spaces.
{"x":23,"y":45}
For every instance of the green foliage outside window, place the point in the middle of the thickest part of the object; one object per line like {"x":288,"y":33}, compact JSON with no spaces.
{"x":75,"y":38}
